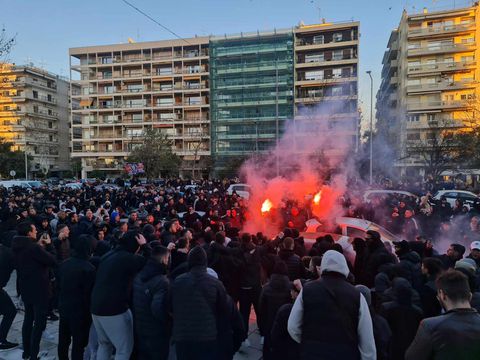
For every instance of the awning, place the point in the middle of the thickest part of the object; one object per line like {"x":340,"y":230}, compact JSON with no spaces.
{"x":87,"y":102}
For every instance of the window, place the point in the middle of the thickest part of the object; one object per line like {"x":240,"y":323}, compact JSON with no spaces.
{"x":137,"y":117}
{"x":314,"y":75}
{"x":413,"y":136}
{"x":413,"y":82}
{"x":413,"y":46}
{"x":466,"y":59}
{"x":50,"y":138}
{"x":412,"y":118}
{"x":35,"y":94}
{"x":318,"y":39}
{"x":337,"y":54}
{"x":337,"y":37}
{"x":50,"y":125}
{"x":309,"y":58}
{"x":35,"y":108}
{"x":106,"y":60}
{"x":337,"y":73}
{"x":469,"y":40}
{"x":430,"y":117}
{"x":353,"y":232}
{"x":337,"y":91}
{"x":430,"y":80}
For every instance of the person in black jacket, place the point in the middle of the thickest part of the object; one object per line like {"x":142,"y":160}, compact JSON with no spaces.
{"x":250,"y":282}
{"x":195,"y":328}
{"x":378,"y":255}
{"x":76,"y":277}
{"x":454,"y":334}
{"x":111,"y":315}
{"x":402,"y":316}
{"x":7,"y":308}
{"x":33,"y":261}
{"x":431,"y":269}
{"x":151,"y":292}
{"x":296,"y":270}
{"x":274,"y":294}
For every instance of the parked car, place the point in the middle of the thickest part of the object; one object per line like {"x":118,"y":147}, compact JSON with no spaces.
{"x":242,"y":190}
{"x":343,"y":231}
{"x":370,"y":194}
{"x":468,"y":198}
{"x":13,"y":183}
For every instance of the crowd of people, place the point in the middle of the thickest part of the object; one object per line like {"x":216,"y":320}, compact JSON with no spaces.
{"x":161,"y":272}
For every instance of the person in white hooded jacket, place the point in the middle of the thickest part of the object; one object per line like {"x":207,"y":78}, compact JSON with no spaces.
{"x":330,"y":318}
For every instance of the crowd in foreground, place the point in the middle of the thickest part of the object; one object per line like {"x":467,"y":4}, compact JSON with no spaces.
{"x":166,"y":272}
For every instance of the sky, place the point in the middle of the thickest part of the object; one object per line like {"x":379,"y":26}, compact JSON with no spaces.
{"x":46,"y":29}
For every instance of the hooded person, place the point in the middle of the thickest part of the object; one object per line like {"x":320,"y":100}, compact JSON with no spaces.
{"x":110,"y":307}
{"x":76,"y":276}
{"x":330,"y":318}
{"x":151,"y":292}
{"x":402,"y":316}
{"x":196,"y":328}
{"x":274,"y":294}
{"x":381,"y":329}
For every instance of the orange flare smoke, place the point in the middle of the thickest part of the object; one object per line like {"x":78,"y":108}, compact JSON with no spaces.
{"x":266,"y":206}
{"x":317,"y":198}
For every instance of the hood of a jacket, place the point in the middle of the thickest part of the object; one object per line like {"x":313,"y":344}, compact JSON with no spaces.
{"x":402,"y":290}
{"x":280,"y":282}
{"x":411,"y":256}
{"x":151,"y":269}
{"x":284,"y":254}
{"x":333,"y":261}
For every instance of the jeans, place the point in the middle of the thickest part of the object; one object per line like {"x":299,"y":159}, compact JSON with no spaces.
{"x":247,"y":298}
{"x":7,"y":309}
{"x":34,"y":323}
{"x":73,"y":330}
{"x":114,"y":332}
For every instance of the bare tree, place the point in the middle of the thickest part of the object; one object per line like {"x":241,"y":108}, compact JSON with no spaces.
{"x":6,"y":45}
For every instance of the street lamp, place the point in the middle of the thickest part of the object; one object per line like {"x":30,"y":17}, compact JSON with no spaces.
{"x":371,"y":126}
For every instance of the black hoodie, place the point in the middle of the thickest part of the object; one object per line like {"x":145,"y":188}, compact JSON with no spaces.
{"x":32,"y":263}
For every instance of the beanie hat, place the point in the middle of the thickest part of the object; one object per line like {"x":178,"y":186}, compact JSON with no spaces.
{"x":333,"y":261}
{"x":467,"y":264}
{"x":280,"y":268}
{"x":197,"y":257}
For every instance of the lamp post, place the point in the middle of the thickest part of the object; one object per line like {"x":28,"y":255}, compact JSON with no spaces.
{"x":371,"y":126}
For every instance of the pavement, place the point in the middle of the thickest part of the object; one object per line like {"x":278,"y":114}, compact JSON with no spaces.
{"x":48,"y":346}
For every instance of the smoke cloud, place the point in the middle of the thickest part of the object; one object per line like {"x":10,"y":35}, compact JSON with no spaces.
{"x":314,"y":155}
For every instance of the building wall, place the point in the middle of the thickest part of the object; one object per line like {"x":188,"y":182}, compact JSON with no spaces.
{"x":326,"y":81}
{"x":252,"y":93}
{"x":436,"y":78}
{"x":128,"y":88}
{"x":35,"y":116}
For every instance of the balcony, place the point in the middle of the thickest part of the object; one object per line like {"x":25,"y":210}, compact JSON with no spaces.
{"x":441,"y":67}
{"x":303,"y":44}
{"x":441,"y":86}
{"x":440,"y":30}
{"x":436,"y":105}
{"x":302,"y":63}
{"x":425,"y":50}
{"x":325,"y":81}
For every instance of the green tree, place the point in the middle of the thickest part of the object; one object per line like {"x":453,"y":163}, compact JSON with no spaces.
{"x":156,"y":155}
{"x":11,"y":160}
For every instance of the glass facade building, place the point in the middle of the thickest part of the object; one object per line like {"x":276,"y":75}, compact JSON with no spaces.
{"x":252,"y":79}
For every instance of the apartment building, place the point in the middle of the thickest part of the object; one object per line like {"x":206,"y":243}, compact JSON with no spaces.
{"x":326,"y":82}
{"x":220,"y":97}
{"x":252,"y":78}
{"x":127,"y":88}
{"x":429,"y":78}
{"x":35,"y":116}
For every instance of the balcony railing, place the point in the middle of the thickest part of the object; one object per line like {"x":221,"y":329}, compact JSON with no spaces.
{"x":440,"y":29}
{"x":440,"y":66}
{"x":441,"y":48}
